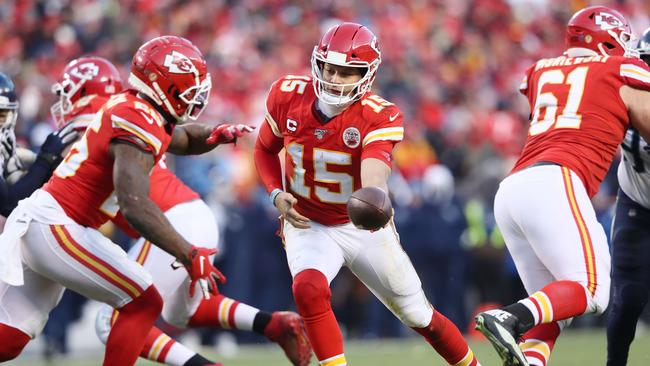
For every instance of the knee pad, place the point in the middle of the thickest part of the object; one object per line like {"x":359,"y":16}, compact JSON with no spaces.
{"x":178,"y":316}
{"x":311,"y":293}
{"x":148,"y":302}
{"x":13,"y":342}
{"x":412,"y":310}
{"x":103,"y":322}
{"x":631,"y":296}
{"x":599,"y":301}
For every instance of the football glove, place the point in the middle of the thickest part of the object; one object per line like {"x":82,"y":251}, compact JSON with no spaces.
{"x":56,"y":142}
{"x":202,"y":271}
{"x":227,"y":133}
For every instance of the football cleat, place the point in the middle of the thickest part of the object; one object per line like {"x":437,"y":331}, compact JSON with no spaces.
{"x":499,"y":327}
{"x":288,"y":331}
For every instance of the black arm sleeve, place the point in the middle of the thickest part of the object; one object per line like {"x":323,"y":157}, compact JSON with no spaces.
{"x":35,"y":177}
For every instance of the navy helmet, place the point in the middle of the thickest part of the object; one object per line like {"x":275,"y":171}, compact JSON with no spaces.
{"x":644,"y":46}
{"x":8,"y":102}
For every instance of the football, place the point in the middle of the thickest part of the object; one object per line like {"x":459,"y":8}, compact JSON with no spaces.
{"x":369,"y":208}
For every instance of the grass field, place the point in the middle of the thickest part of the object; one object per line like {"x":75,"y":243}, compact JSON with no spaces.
{"x":575,"y":348}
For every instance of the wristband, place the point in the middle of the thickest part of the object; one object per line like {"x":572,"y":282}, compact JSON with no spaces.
{"x":274,"y":193}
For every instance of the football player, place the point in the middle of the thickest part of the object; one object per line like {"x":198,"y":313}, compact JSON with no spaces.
{"x":338,"y":137}
{"x":12,"y":164}
{"x":582,"y":103}
{"x":630,"y":240}
{"x":51,"y":239}
{"x":85,"y":86}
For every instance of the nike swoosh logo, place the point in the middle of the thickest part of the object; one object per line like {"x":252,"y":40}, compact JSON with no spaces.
{"x":393,"y":117}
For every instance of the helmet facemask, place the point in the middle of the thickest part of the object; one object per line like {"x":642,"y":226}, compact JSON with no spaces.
{"x":65,"y":90}
{"x":624,"y":39}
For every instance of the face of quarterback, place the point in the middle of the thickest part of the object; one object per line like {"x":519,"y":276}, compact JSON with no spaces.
{"x":6,"y":116}
{"x":342,"y":78}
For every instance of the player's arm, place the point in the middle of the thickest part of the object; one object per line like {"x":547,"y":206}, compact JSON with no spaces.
{"x":267,"y":163}
{"x":375,"y":173}
{"x":196,"y":138}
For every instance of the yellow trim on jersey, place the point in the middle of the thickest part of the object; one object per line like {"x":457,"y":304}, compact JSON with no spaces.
{"x":584,"y":232}
{"x":635,"y":72}
{"x":334,"y":361}
{"x":537,"y":346}
{"x":467,"y":360}
{"x":273,"y":124}
{"x":389,"y":133}
{"x":545,"y":305}
{"x":136,"y":130}
{"x":96,"y":265}
{"x":224,"y":311}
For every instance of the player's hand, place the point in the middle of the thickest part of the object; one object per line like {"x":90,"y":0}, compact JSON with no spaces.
{"x":56,"y":142}
{"x":284,"y":202}
{"x":227,"y":133}
{"x":201,"y":270}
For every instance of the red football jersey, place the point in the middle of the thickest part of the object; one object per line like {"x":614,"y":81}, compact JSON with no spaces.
{"x":84,"y":110}
{"x":323,"y":160}
{"x":83,"y":183}
{"x":578,"y":118}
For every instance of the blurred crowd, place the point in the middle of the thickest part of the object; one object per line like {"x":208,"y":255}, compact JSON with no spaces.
{"x":453,"y":67}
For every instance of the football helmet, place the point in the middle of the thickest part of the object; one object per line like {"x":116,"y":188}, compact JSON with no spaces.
{"x":8,"y":103}
{"x":83,"y":77}
{"x":644,"y":47}
{"x":600,"y":29}
{"x":173,"y":73}
{"x":350,"y":45}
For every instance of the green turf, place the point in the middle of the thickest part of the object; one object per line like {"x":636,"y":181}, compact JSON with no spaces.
{"x":574,"y":348}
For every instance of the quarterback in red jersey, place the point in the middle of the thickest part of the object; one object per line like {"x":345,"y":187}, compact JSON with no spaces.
{"x":86,"y":84}
{"x":582,"y":103}
{"x":338,"y":138}
{"x":51,"y":240}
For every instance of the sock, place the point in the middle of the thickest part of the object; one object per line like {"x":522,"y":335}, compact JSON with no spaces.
{"x":262,"y":319}
{"x":225,"y":313}
{"x":558,"y":300}
{"x":537,"y":344}
{"x":13,"y":342}
{"x":198,"y":360}
{"x":128,"y":334}
{"x":312,"y":295}
{"x":446,"y":339}
{"x":627,"y":305}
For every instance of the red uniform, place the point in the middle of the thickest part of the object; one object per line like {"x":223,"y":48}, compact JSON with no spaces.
{"x":574,"y":123}
{"x":166,"y":189}
{"x":323,"y":160}
{"x":83,"y":183}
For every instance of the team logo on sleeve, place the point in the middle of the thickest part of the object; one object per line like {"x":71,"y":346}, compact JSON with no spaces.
{"x":351,"y":137}
{"x":178,"y":63}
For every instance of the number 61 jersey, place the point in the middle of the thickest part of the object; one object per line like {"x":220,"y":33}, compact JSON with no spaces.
{"x":323,"y":159}
{"x":578,"y":117}
{"x":83,"y":183}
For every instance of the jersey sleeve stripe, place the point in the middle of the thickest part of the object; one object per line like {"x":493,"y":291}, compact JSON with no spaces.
{"x":524,"y":83}
{"x":389,"y":133}
{"x":635,"y":72}
{"x":136,"y":130}
{"x":82,"y":121}
{"x":273,"y":124}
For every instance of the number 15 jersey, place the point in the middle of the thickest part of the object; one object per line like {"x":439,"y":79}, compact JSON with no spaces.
{"x":323,"y":159}
{"x":578,"y":117}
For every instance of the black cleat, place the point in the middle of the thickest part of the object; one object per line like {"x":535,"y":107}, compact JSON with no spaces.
{"x":499,"y":327}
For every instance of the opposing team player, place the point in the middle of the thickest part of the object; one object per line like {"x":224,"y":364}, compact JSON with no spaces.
{"x":85,"y":86}
{"x":51,"y":238}
{"x":11,"y":164}
{"x":630,"y":240}
{"x":339,"y":137}
{"x":582,"y":103}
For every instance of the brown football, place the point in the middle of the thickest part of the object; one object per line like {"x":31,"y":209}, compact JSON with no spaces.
{"x":369,"y":208}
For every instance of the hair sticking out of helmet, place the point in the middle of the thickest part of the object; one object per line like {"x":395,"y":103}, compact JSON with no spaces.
{"x":349,"y":45}
{"x":599,"y":30}
{"x":81,"y":78}
{"x":173,"y":73}
{"x":8,"y":105}
{"x":643,"y":48}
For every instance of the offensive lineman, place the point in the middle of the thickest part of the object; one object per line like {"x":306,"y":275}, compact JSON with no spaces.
{"x":582,"y":103}
{"x":339,"y":137}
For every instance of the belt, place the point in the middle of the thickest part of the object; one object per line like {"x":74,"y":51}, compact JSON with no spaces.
{"x":542,"y":163}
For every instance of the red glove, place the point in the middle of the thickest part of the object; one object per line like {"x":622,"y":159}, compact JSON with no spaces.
{"x":201,"y":269}
{"x":227,"y":133}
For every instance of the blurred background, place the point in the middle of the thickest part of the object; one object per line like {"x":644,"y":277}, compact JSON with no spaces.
{"x":453,"y":67}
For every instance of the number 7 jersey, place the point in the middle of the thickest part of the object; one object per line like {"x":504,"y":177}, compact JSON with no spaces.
{"x":578,"y":117}
{"x":323,"y":159}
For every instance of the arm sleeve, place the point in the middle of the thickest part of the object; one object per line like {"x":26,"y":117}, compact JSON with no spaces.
{"x":266,"y":158}
{"x":387,"y":132}
{"x":523,"y":86}
{"x":132,"y":124}
{"x":635,"y":73}
{"x":35,"y":177}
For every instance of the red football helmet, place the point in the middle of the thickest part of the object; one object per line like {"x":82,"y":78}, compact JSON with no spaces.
{"x":172,"y":71}
{"x":351,"y":45}
{"x":82,"y":77}
{"x":600,"y":29}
